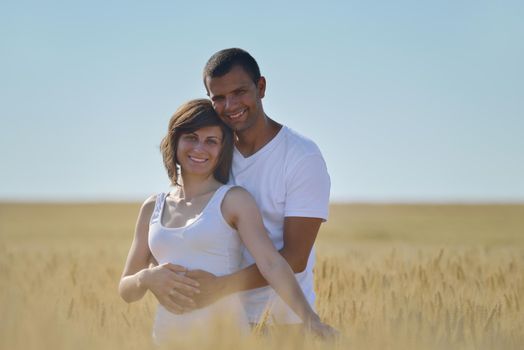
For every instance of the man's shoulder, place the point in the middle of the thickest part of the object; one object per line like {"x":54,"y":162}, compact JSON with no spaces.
{"x":298,"y":144}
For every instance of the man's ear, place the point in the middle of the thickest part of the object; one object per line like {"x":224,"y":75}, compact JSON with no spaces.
{"x":261,"y":87}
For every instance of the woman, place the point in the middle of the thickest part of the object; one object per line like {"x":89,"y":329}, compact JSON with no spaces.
{"x":202,"y":224}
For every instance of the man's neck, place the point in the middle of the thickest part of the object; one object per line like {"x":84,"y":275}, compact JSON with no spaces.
{"x":250,"y":141}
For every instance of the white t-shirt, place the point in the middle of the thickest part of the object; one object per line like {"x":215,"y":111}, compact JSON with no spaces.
{"x":287,"y":177}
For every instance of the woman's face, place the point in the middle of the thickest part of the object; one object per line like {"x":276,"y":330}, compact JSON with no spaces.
{"x":198,"y":151}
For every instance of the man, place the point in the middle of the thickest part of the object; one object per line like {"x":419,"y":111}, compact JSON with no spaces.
{"x":285,"y":173}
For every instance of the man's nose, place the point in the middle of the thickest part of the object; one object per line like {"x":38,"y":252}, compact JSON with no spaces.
{"x":231,"y":102}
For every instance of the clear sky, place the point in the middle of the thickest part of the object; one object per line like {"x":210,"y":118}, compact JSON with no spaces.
{"x":408,"y":100}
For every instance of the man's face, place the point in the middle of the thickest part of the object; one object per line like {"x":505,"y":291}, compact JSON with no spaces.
{"x":236,"y":98}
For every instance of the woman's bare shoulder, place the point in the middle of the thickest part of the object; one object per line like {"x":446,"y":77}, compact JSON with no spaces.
{"x":238,"y":201}
{"x":150,"y":201}
{"x":148,"y":206}
{"x":238,"y":194}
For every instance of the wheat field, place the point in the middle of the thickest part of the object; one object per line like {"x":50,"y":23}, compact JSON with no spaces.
{"x":387,"y":276}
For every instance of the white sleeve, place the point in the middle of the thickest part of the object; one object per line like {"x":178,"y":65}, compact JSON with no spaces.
{"x":307,"y":188}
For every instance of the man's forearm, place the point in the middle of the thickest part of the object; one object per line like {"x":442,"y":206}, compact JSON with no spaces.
{"x":251,"y":278}
{"x":244,"y":279}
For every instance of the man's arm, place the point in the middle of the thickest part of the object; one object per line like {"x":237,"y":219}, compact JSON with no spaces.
{"x":299,"y":236}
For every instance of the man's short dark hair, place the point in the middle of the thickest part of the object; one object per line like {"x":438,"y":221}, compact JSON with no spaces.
{"x":223,"y":61}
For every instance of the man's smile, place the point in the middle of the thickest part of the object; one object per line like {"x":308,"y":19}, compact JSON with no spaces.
{"x":237,"y":114}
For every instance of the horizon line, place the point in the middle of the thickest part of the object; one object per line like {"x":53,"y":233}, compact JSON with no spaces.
{"x":385,"y":201}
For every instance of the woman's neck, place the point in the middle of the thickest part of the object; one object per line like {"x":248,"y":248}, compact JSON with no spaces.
{"x":192,"y":186}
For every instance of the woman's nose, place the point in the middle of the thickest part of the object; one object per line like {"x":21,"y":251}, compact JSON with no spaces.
{"x":199,"y":145}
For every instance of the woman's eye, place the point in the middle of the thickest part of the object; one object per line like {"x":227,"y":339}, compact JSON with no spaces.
{"x":212,"y":142}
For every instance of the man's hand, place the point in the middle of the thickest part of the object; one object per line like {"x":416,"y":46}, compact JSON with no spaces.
{"x":211,"y":287}
{"x":171,"y":287}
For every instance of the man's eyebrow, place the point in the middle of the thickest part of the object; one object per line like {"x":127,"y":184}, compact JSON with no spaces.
{"x":243,"y":86}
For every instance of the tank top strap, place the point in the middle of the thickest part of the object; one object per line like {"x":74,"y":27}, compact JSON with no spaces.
{"x":218,"y":197}
{"x":159,"y":205}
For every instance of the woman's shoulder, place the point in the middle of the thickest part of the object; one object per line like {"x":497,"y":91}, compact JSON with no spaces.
{"x":150,"y":201}
{"x":235,"y":192}
{"x":240,"y":206}
{"x":148,"y":206}
{"x":237,"y":200}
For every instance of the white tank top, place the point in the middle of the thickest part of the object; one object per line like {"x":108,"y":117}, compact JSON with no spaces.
{"x":207,"y":242}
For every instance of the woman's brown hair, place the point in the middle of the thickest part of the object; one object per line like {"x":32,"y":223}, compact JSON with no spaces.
{"x":190,"y":117}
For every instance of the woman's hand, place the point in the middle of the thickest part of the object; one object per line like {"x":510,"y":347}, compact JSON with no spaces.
{"x":320,"y":329}
{"x":170,"y":286}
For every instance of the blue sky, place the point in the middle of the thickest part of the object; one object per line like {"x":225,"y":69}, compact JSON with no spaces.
{"x":408,"y":100}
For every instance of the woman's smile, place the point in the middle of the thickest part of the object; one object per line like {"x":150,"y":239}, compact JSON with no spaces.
{"x":198,"y":160}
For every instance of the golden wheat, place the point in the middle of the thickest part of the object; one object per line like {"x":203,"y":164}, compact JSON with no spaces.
{"x":60,"y":266}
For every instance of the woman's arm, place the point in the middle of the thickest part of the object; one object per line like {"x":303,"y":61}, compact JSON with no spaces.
{"x":131,"y":287}
{"x":138,"y":276}
{"x":240,"y":210}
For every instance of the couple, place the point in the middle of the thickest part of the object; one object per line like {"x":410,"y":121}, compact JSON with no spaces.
{"x":244,"y":186}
